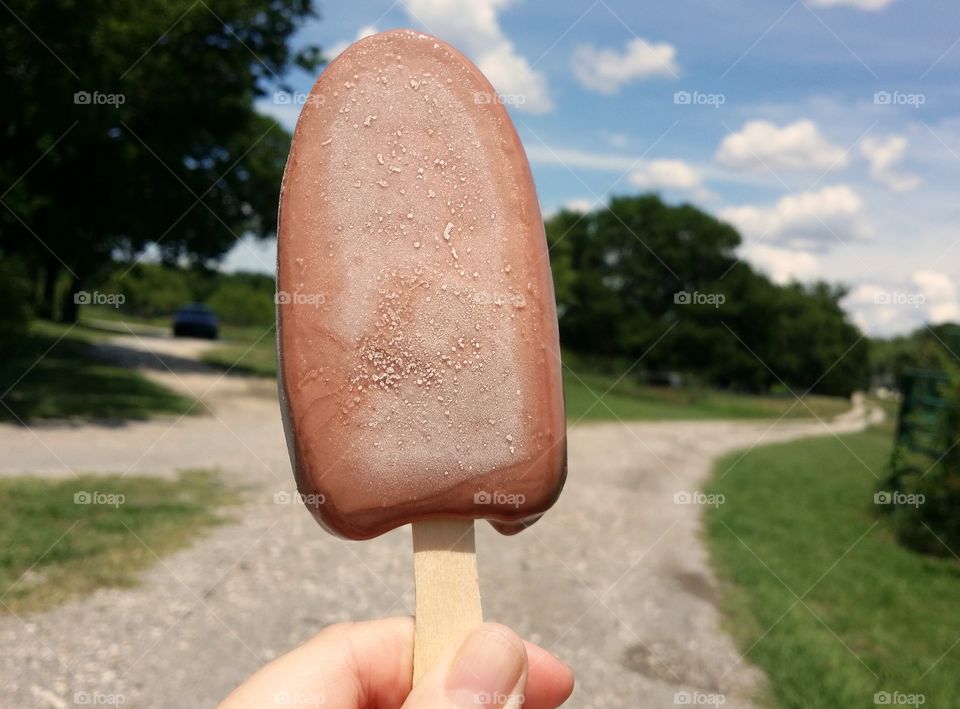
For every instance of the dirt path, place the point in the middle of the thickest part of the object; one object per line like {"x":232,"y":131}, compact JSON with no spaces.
{"x":614,"y":579}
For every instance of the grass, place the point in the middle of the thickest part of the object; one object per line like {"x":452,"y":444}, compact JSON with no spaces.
{"x":120,"y":321}
{"x":244,"y":349}
{"x":53,"y":547}
{"x":255,"y":357}
{"x":626,"y":400}
{"x":107,"y":314}
{"x":248,"y":350}
{"x":889,"y":407}
{"x":51,"y":374}
{"x":874,"y":616}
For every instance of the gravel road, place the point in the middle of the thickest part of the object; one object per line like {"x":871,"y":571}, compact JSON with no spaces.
{"x":614,"y":579}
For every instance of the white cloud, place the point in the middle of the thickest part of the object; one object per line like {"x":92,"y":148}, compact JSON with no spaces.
{"x":286,"y":114}
{"x":666,"y":173}
{"x":761,"y":145}
{"x":571,"y":158}
{"x":540,"y":153}
{"x":671,"y":174}
{"x":618,"y":140}
{"x":336,"y":49}
{"x":650,"y":175}
{"x":512,"y":76}
{"x":251,"y":254}
{"x":474,"y":28}
{"x":884,"y":155}
{"x":607,"y":70}
{"x":581,"y":206}
{"x":940,"y":294}
{"x":810,"y":220}
{"x":782,"y":265}
{"x":897,"y":307}
{"x":869,"y":309}
{"x":858,"y":4}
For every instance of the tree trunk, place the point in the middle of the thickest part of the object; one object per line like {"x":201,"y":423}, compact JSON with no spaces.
{"x":49,"y":273}
{"x":69,"y":311}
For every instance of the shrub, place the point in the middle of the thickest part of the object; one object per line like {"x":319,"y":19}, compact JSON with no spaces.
{"x":932,"y":524}
{"x":238,"y":303}
{"x":15,"y":299}
{"x":150,"y":289}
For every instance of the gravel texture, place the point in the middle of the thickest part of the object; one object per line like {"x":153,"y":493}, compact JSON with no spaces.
{"x":614,"y":579}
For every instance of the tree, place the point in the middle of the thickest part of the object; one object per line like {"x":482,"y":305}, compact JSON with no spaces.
{"x":933,"y":347}
{"x":642,"y":278}
{"x":131,"y":122}
{"x":824,"y":351}
{"x":245,"y":299}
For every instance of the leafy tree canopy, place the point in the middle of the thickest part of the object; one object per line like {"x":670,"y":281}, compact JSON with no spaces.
{"x":131,"y":122}
{"x":644,"y":279}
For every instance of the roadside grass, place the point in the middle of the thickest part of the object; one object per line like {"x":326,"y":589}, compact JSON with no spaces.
{"x":890,"y":407}
{"x":626,"y":400}
{"x":54,"y":547}
{"x":241,"y":349}
{"x":248,"y":350}
{"x":52,"y":374}
{"x":257,"y":357}
{"x":116,"y":318}
{"x":874,"y":616}
{"x":99,"y":318}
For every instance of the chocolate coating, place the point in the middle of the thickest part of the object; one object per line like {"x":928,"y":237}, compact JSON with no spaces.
{"x":419,"y":359}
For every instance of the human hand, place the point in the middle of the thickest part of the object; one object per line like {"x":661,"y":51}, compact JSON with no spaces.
{"x":369,"y":665}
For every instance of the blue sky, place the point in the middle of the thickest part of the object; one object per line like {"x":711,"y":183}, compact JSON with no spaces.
{"x":825,"y":130}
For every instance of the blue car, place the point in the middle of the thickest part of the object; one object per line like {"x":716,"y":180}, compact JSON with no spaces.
{"x":196,"y":320}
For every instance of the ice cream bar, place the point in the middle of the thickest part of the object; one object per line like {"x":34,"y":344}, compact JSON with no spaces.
{"x":419,"y":361}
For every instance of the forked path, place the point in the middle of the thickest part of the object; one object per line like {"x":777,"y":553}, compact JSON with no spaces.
{"x":615,"y":579}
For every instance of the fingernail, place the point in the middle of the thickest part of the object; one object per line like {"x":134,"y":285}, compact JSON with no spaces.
{"x":486,"y":671}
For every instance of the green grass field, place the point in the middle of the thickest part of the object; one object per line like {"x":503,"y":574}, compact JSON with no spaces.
{"x":890,"y":407}
{"x":51,"y":374}
{"x":62,"y":538}
{"x":119,"y":321}
{"x":249,"y":355}
{"x":873,"y":617}
{"x":626,"y":400}
{"x":244,"y":350}
{"x":252,"y":350}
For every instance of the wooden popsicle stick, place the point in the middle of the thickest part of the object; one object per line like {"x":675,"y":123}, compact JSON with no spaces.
{"x":448,"y":590}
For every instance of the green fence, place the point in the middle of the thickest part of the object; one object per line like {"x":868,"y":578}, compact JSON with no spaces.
{"x":920,"y":421}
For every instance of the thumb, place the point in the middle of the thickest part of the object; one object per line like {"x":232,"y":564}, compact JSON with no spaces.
{"x":488,"y":670}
